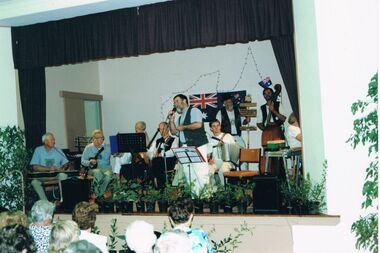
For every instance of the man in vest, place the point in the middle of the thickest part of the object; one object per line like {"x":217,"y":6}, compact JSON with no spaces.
{"x":190,"y":130}
{"x":269,"y":113}
{"x":230,"y":119}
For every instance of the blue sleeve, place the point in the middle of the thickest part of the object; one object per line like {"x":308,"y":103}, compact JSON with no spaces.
{"x":63,"y":159}
{"x":36,"y":157}
{"x":196,"y":115}
{"x":86,"y":156}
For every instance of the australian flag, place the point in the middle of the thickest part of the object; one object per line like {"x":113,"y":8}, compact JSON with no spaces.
{"x":211,"y":103}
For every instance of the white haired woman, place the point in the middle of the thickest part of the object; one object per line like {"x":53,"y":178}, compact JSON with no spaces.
{"x":173,"y":242}
{"x":41,"y":217}
{"x":140,"y":237}
{"x":62,"y":234}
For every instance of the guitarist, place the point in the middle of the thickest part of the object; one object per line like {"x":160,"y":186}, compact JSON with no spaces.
{"x":96,"y":158}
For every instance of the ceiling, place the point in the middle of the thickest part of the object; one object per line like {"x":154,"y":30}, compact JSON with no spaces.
{"x":26,"y":12}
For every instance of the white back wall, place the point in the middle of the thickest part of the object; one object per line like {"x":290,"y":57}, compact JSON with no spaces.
{"x":133,"y":87}
{"x":82,"y":78}
{"x":8,"y":104}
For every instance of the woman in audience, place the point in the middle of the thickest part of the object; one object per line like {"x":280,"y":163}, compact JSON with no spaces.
{"x":41,"y":224}
{"x":82,"y":246}
{"x":10,"y":218}
{"x":62,"y":234}
{"x":16,"y":239}
{"x":173,"y":242}
{"x":181,"y":216}
{"x":293,"y":132}
{"x":140,"y":237}
{"x":84,"y":214}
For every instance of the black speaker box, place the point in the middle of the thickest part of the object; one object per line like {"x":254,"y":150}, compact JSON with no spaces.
{"x":74,"y":191}
{"x":266,"y":195}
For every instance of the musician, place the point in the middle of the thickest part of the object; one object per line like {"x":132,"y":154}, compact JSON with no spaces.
{"x":293,"y":132}
{"x":190,"y":130}
{"x":96,"y":157}
{"x":159,"y":151}
{"x":134,"y":166}
{"x":217,"y":140}
{"x":269,"y":117}
{"x":230,"y":119}
{"x":48,"y":158}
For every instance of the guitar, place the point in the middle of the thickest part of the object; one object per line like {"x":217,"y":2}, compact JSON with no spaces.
{"x":92,"y":166}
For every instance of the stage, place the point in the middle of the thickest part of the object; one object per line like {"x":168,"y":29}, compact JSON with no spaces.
{"x":270,"y":233}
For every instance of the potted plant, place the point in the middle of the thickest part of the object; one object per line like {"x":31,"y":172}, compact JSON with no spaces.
{"x":125,"y":193}
{"x":213,"y":198}
{"x":14,"y":159}
{"x":168,"y":194}
{"x":151,"y":196}
{"x":106,"y":205}
{"x":227,"y":198}
{"x":199,"y":198}
{"x":243,"y":196}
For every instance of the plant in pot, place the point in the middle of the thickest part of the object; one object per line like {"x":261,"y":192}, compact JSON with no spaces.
{"x":151,"y":196}
{"x":243,"y":196}
{"x":106,"y":205}
{"x":168,"y":194}
{"x":125,"y":193}
{"x":199,"y":198}
{"x":213,"y":198}
{"x":227,"y":198}
{"x":14,"y":159}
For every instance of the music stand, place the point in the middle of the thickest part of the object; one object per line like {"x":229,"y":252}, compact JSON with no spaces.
{"x":188,"y":155}
{"x":131,"y":142}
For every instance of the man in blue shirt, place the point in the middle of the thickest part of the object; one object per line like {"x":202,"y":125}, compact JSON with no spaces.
{"x":48,"y":158}
{"x":96,"y":156}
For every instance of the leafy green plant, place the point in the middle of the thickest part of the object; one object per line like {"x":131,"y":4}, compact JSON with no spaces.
{"x":112,"y":237}
{"x":95,"y":229}
{"x":169,"y":193}
{"x":125,"y":190}
{"x":14,"y":159}
{"x":366,"y":133}
{"x":305,"y":193}
{"x":244,"y":192}
{"x":152,"y":194}
{"x":231,"y":242}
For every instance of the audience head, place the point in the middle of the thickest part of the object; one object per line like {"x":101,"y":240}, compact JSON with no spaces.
{"x":180,"y":102}
{"x":62,"y":234}
{"x":48,"y":140}
{"x":82,"y":246}
{"x":215,"y":127}
{"x":173,"y":242}
{"x":140,"y":127}
{"x":42,"y":212}
{"x":84,"y":214}
{"x":10,"y":218}
{"x":292,"y":119}
{"x":140,"y":237}
{"x":97,"y":137}
{"x":181,"y":212}
{"x":15,"y":239}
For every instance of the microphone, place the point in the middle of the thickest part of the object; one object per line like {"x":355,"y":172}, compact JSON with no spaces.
{"x":168,"y":117}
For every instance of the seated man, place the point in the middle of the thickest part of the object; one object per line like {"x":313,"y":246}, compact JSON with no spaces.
{"x":134,"y":166}
{"x":293,"y":133}
{"x":219,"y":139}
{"x":48,"y":158}
{"x":160,"y":149}
{"x":96,"y":157}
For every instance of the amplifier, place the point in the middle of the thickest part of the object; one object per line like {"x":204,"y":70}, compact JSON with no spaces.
{"x":74,"y":191}
{"x":266,"y":195}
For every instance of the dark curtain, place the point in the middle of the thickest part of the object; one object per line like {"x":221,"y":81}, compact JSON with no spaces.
{"x":283,"y":48}
{"x":33,"y":101}
{"x":161,"y":27}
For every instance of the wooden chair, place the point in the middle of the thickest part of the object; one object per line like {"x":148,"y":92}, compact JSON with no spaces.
{"x":247,"y":155}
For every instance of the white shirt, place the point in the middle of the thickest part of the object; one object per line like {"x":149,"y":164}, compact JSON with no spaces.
{"x":99,"y":241}
{"x":152,"y":150}
{"x":126,"y":158}
{"x":290,"y":134}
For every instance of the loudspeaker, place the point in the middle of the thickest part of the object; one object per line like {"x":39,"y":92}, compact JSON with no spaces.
{"x":266,"y":196}
{"x":74,"y":191}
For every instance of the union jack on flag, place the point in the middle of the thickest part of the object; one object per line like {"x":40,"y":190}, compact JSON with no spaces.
{"x":207,"y":103}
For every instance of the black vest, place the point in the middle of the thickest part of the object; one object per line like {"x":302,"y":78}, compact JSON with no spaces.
{"x":196,"y":137}
{"x":226,"y":124}
{"x":274,"y":117}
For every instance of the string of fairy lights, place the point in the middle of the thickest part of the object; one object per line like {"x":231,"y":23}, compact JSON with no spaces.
{"x":218,"y":74}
